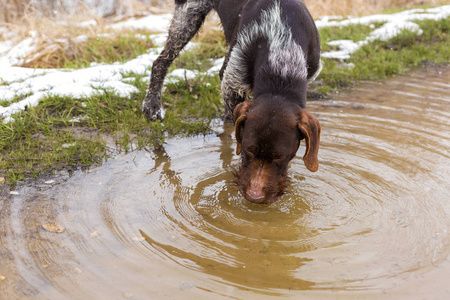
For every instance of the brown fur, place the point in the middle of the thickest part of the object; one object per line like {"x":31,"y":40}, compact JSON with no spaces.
{"x":267,"y":140}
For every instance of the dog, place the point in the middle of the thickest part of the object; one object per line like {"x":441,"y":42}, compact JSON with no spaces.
{"x":273,"y":53}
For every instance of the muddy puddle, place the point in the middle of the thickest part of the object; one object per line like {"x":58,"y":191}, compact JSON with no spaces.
{"x":373,"y":222}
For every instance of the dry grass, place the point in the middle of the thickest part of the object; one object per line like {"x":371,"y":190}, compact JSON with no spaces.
{"x":53,"y":36}
{"x":13,"y":10}
{"x":362,"y":7}
{"x":56,"y":35}
{"x":79,"y":54}
{"x":57,"y":27}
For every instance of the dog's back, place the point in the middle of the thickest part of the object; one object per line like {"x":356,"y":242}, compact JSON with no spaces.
{"x":274,"y":47}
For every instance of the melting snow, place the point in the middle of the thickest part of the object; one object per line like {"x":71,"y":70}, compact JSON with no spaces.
{"x":395,"y":24}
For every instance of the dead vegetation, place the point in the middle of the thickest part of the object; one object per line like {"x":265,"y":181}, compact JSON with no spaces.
{"x":12,"y":11}
{"x":361,"y":7}
{"x":62,"y":27}
{"x":81,"y":52}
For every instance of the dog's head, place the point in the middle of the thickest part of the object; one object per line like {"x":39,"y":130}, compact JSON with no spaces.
{"x":268,"y":135}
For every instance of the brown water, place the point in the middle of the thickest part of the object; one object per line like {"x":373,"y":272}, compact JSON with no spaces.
{"x":373,"y":222}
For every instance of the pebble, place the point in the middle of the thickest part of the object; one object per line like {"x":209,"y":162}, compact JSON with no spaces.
{"x":53,"y":228}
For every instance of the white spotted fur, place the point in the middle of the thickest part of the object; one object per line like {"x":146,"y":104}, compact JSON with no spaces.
{"x":286,"y":57}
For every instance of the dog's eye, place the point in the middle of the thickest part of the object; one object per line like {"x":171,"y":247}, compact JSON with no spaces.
{"x":277,"y":156}
{"x":252,"y":150}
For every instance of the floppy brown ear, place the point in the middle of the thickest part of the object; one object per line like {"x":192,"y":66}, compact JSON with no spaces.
{"x":240,"y":115}
{"x":310,"y":128}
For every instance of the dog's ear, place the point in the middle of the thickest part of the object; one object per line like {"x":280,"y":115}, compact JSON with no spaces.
{"x":240,"y":115}
{"x":310,"y":130}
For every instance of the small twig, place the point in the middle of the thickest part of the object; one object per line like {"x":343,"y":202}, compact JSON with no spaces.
{"x":187,"y":82}
{"x":192,"y":86}
{"x":202,"y":79}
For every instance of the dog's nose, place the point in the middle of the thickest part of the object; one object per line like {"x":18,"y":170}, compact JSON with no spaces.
{"x":255,"y":191}
{"x":255,"y":196}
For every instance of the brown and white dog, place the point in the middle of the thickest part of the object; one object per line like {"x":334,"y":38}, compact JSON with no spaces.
{"x":273,"y":52}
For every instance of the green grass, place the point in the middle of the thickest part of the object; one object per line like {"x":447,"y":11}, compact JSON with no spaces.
{"x":16,"y":99}
{"x":34,"y":145}
{"x":381,"y":59}
{"x":355,"y":32}
{"x":118,"y":48}
{"x":64,"y":133}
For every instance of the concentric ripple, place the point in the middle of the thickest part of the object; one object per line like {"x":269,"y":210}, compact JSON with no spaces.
{"x":171,"y":224}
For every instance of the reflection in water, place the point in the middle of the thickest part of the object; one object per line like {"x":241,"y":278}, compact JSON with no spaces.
{"x":171,"y":223}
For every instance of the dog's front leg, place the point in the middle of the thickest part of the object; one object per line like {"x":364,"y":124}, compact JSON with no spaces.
{"x":188,"y":17}
{"x":233,"y":88}
{"x":231,"y":99}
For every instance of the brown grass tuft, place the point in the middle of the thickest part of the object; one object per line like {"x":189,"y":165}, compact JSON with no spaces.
{"x":53,"y":54}
{"x":362,"y":7}
{"x":57,"y":25}
{"x":12,"y":11}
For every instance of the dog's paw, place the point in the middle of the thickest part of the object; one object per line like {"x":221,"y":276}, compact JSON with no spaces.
{"x":153,"y":114}
{"x":151,"y":107}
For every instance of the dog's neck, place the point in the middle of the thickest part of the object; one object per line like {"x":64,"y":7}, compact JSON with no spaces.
{"x":268,"y":81}
{"x":283,"y":105}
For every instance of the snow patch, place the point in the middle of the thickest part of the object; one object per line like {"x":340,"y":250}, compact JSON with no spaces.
{"x":395,"y":24}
